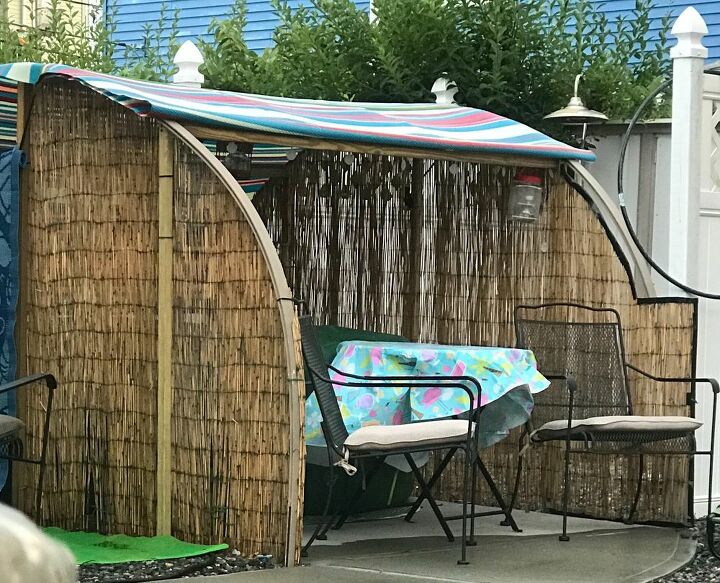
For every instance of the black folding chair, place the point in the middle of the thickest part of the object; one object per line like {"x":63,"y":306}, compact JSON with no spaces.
{"x":11,"y":445}
{"x":593,"y":411}
{"x":344,"y":450}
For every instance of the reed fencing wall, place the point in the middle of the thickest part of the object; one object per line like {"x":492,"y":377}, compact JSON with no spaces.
{"x":423,"y":248}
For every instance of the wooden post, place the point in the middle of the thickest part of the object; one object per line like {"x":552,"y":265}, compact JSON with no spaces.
{"x":166,"y":164}
{"x":24,"y":99}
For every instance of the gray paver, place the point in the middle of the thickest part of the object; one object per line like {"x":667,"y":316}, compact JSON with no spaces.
{"x":393,"y":551}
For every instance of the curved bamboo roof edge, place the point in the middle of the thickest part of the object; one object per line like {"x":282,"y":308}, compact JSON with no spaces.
{"x":426,"y":130}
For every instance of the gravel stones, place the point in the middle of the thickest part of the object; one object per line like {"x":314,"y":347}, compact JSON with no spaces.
{"x":221,"y":563}
{"x":704,"y":568}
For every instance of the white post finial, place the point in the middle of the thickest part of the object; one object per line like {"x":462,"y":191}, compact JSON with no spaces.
{"x":689,"y":29}
{"x":444,"y":91}
{"x":188,"y":60}
{"x":679,"y":214}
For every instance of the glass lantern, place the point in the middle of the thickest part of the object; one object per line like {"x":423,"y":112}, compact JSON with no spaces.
{"x":526,"y":196}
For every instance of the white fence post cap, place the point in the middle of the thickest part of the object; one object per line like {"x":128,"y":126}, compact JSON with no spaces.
{"x":188,"y":60}
{"x":444,"y":91}
{"x":689,"y":29}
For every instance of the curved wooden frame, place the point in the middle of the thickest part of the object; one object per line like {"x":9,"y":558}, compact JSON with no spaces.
{"x":283,"y":295}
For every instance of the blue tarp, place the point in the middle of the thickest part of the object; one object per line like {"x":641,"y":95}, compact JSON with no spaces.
{"x":10,"y":163}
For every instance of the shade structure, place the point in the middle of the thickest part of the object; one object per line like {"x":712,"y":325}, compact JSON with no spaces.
{"x":161,"y":297}
{"x":426,"y":126}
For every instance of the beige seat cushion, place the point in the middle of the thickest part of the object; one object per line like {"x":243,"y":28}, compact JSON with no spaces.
{"x":389,"y":437}
{"x":617,"y":423}
{"x":9,"y":426}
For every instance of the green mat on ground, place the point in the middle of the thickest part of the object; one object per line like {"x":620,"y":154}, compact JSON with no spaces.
{"x":91,"y":547}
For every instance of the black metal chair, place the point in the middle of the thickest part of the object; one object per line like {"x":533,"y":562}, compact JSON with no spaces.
{"x":11,"y":445}
{"x":593,"y":411}
{"x":378,"y":442}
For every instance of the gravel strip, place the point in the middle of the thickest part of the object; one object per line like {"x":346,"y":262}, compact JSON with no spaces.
{"x":704,"y":568}
{"x":223,"y":562}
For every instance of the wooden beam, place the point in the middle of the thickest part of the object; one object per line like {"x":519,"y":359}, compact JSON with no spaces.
{"x":166,"y":168}
{"x":24,"y":104}
{"x":225,"y":135}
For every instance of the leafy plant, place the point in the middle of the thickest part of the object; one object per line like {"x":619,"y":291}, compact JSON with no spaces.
{"x":153,"y":59}
{"x":229,"y":63}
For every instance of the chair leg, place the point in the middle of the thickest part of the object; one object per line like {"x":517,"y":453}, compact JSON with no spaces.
{"x":427,"y":494}
{"x":516,"y":486}
{"x":466,"y":487}
{"x":363,"y":488}
{"x":473,"y":485}
{"x":43,"y":458}
{"x":566,"y":493}
{"x":326,"y":509}
{"x":634,"y":506}
{"x":498,"y":496}
{"x":416,"y":505}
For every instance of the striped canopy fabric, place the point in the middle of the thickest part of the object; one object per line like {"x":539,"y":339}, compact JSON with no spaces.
{"x":432,"y":127}
{"x":8,"y":112}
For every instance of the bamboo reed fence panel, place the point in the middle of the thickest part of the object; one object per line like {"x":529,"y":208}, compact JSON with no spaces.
{"x":230,"y":428}
{"x":90,"y":301}
{"x":423,"y":248}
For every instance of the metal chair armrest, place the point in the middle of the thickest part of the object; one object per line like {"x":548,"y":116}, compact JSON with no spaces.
{"x":16,"y":384}
{"x":571,"y":382}
{"x":401,"y":381}
{"x":571,"y":387}
{"x":411,"y":379}
{"x":712,"y":382}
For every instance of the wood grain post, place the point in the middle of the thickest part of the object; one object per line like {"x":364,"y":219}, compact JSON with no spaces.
{"x":166,"y":164}
{"x":24,"y":101}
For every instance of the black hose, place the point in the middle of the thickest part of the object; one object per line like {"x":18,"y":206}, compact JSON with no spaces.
{"x":621,"y":195}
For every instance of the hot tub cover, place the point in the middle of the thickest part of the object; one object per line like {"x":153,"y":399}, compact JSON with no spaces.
{"x":428,"y":126}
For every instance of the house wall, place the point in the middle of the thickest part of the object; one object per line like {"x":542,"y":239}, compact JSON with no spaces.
{"x":195,"y":17}
{"x":20,"y":12}
{"x":709,"y":9}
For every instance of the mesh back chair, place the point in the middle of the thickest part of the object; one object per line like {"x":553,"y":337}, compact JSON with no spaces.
{"x":346,"y":449}
{"x":590,"y":408}
{"x":11,"y":445}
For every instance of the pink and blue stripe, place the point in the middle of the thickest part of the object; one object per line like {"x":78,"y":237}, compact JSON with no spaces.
{"x":449,"y":128}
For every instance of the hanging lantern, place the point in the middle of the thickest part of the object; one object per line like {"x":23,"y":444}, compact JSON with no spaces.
{"x":526,"y":196}
{"x":239,"y":160}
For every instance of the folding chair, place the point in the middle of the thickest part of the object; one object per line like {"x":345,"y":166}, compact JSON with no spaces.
{"x":11,"y":445}
{"x":345,"y":449}
{"x":594,"y":414}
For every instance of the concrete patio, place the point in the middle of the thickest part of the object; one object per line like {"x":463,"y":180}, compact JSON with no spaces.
{"x":383,"y":547}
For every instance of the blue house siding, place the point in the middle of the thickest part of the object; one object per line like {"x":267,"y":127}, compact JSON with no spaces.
{"x":195,"y":17}
{"x":710,"y":10}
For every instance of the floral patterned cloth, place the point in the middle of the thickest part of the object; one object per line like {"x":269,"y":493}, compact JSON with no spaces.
{"x":508,"y":378}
